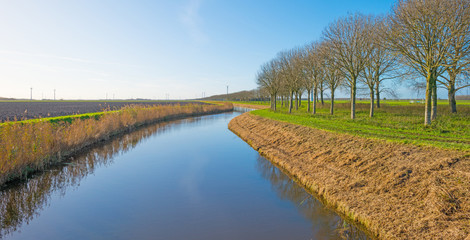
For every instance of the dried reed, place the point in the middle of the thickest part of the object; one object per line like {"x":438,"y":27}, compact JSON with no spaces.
{"x":31,"y":146}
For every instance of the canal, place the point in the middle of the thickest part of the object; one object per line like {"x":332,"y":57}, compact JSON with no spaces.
{"x":186,"y":179}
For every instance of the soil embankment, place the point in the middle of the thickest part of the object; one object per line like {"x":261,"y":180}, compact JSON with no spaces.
{"x":396,"y":191}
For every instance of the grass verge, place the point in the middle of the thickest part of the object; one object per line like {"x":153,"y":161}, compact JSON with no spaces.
{"x":396,"y":123}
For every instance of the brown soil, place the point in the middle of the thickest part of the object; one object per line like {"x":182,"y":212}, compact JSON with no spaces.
{"x":396,"y":191}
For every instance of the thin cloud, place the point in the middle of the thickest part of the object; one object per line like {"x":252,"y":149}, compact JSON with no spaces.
{"x":191,"y":19}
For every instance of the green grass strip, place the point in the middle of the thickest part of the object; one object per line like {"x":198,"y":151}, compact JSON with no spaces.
{"x":456,"y":137}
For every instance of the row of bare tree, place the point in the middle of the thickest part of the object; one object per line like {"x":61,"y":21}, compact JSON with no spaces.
{"x":428,"y":40}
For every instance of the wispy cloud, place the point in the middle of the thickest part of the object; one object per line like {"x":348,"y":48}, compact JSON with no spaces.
{"x":191,"y":19}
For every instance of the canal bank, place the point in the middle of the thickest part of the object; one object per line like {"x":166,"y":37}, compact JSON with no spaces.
{"x":396,"y":191}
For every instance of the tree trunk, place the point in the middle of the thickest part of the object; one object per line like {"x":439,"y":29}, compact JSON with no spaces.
{"x":353,"y":99}
{"x":332,"y":101}
{"x":452,"y":102}
{"x":300,"y":99}
{"x":377,"y":94}
{"x":427,"y":110}
{"x":321,"y":96}
{"x":451,"y":93}
{"x":296,"y":101}
{"x":291,"y":99}
{"x":315,"y":93}
{"x":275,"y":102}
{"x":272,"y":103}
{"x":371,"y":114}
{"x":308,"y":100}
{"x":434,"y":100}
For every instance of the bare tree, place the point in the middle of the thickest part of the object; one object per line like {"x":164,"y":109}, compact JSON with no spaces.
{"x":315,"y":71}
{"x":307,"y":80}
{"x":421,"y":33}
{"x":321,"y":88}
{"x":269,"y":78}
{"x":348,"y":40}
{"x":458,"y":54}
{"x":381,"y":65}
{"x":289,"y":63}
{"x":331,"y":70}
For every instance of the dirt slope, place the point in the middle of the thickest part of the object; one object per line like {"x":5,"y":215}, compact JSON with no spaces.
{"x":397,"y":191}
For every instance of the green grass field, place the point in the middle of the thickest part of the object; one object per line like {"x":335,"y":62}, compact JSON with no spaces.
{"x":398,"y":121}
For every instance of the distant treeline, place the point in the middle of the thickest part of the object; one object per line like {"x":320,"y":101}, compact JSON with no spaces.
{"x":251,"y":95}
{"x":463,"y":97}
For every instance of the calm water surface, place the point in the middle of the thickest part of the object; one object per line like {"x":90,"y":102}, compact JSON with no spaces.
{"x":188,"y":179}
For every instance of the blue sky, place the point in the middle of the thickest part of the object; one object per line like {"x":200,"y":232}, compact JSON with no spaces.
{"x":148,"y":49}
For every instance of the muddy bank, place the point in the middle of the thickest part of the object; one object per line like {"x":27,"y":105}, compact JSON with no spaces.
{"x":396,"y":191}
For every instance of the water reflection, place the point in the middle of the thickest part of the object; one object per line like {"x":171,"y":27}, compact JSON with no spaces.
{"x":21,"y":202}
{"x":325,"y":223}
{"x":242,"y":109}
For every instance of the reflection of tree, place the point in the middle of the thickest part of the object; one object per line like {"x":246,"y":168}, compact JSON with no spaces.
{"x":21,"y":202}
{"x":325,"y":223}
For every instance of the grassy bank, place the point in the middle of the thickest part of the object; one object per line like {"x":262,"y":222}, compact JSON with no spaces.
{"x":394,"y":190}
{"x":398,"y":121}
{"x":28,"y":146}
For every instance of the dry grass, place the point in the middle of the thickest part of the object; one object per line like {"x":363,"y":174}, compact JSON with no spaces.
{"x":30,"y":146}
{"x":397,"y":191}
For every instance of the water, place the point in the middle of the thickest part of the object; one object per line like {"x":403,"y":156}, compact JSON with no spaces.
{"x":188,"y":179}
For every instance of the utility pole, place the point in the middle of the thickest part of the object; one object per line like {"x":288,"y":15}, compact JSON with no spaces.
{"x":54,"y":94}
{"x":227,"y":92}
{"x":31,"y":94}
